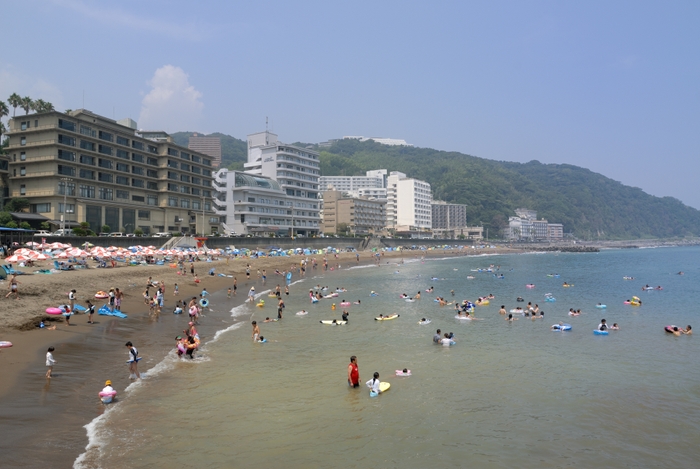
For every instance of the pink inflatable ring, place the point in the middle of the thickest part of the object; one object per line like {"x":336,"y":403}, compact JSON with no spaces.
{"x":53,"y":311}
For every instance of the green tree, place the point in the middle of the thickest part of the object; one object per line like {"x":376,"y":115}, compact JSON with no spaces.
{"x":3,"y":129}
{"x":106,"y":229}
{"x":45,"y":225}
{"x":25,"y":226}
{"x":26,"y":104}
{"x":342,"y":228}
{"x":15,"y":101}
{"x":4,"y":110}
{"x":17,"y":204}
{"x":5,"y":218}
{"x":42,"y":106}
{"x":138,"y":232}
{"x":12,"y":224}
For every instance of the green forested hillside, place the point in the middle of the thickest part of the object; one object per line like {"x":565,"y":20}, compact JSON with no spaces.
{"x":588,"y":204}
{"x":234,"y":152}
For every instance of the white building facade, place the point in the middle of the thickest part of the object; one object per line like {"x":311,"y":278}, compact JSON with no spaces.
{"x":373,"y":183}
{"x":297,"y":172}
{"x":408,"y":205}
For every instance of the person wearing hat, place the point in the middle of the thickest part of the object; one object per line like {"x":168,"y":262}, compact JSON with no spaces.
{"x":108,"y":387}
{"x":251,"y":295}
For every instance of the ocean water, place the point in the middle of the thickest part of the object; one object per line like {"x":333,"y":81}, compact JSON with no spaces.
{"x":506,"y":395}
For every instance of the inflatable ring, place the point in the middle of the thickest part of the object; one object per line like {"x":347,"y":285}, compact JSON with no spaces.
{"x":53,"y":311}
{"x":5,"y":344}
{"x":108,"y":394}
{"x":597,"y":332}
{"x":101,"y":295}
{"x":261,"y":304}
{"x":203,"y":302}
{"x":345,"y":303}
{"x":401,"y":373}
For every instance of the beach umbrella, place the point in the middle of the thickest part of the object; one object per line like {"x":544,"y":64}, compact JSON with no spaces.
{"x":16,"y":258}
{"x":41,"y":257}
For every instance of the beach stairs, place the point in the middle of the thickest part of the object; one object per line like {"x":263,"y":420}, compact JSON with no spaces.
{"x":181,"y":242}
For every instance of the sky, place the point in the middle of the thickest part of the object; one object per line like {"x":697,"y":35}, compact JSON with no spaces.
{"x":612,"y":86}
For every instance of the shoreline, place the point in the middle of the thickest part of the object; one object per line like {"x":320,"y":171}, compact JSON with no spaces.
{"x":88,"y":354}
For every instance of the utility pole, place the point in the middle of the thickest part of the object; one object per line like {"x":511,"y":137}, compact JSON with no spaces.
{"x":65,"y":209}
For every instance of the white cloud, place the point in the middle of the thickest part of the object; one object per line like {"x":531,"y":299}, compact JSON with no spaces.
{"x":113,"y":16}
{"x":172,"y":104}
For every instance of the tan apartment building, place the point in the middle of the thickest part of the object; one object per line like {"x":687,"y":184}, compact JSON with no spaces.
{"x":361,"y":215}
{"x":92,"y":169}
{"x":210,"y":146}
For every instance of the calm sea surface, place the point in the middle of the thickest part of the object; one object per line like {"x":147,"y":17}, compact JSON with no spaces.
{"x":507,"y":395}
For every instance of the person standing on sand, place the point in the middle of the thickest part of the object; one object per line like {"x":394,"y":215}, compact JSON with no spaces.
{"x":133,"y":362}
{"x":49,"y":362}
{"x":112,"y":299}
{"x":256,"y":331}
{"x":118,"y":295}
{"x":14,"y":288}
{"x":71,"y":298}
{"x":353,"y":373}
{"x":192,"y":268}
{"x":90,"y":311}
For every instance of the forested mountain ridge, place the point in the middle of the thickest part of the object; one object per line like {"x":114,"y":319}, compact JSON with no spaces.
{"x":588,"y":204}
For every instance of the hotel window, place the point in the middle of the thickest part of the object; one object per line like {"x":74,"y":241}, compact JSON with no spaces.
{"x":122,"y":141}
{"x":87,"y":191}
{"x":214,"y":220}
{"x":62,"y":188}
{"x":122,"y":154}
{"x":105,"y":193}
{"x":123,"y":167}
{"x":64,"y":155}
{"x":173,"y":187}
{"x":185,"y":203}
{"x":196,"y":180}
{"x":122,"y":180}
{"x":137,"y":145}
{"x":173,"y":152}
{"x":196,"y":205}
{"x":152,"y":185}
{"x":40,"y":208}
{"x":23,"y":141}
{"x":105,"y":136}
{"x":184,"y":156}
{"x":152,"y":161}
{"x":24,"y":125}
{"x":184,"y":189}
{"x":172,"y":201}
{"x":196,"y":170}
{"x":137,"y":157}
{"x":206,"y":162}
{"x":23,"y":156}
{"x":23,"y":171}
{"x":206,"y":172}
{"x":184,"y":167}
{"x":207,"y":205}
{"x":65,"y":140}
{"x":87,"y":174}
{"x":85,"y":145}
{"x":151,"y":173}
{"x":173,"y":176}
{"x":22,"y":190}
{"x":144,"y":214}
{"x":104,"y":149}
{"x":138,"y":198}
{"x":184,"y":178}
{"x":122,"y":194}
{"x":137,"y":170}
{"x":137,"y":183}
{"x":172,"y":164}
{"x":105,"y":177}
{"x":85,"y":130}
{"x":195,"y":191}
{"x":152,"y":149}
{"x":66,"y":170}
{"x":152,"y":200}
{"x":67,"y":125}
{"x":70,"y":208}
{"x":103,"y":163}
{"x":196,"y":158}
{"x":206,"y":193}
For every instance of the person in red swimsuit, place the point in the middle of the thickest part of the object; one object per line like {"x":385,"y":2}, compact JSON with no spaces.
{"x":353,"y":373}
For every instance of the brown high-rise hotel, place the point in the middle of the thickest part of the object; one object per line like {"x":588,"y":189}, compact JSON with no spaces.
{"x":96,"y":170}
{"x":210,"y":146}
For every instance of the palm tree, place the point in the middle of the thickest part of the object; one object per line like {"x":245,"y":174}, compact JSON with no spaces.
{"x":14,"y":100}
{"x":38,"y":105}
{"x":2,"y":131}
{"x":26,"y":104}
{"x":48,"y":107}
{"x":4,"y":110}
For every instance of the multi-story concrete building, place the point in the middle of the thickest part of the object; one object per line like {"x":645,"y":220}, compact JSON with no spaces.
{"x":448,"y":216}
{"x":525,"y":225}
{"x":92,"y":169}
{"x":374,"y":182}
{"x":297,"y":171}
{"x":210,"y":146}
{"x":361,"y":216}
{"x":408,"y":203}
{"x":252,"y":204}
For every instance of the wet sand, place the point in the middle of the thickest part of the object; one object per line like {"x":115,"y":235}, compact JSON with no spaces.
{"x":43,"y":419}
